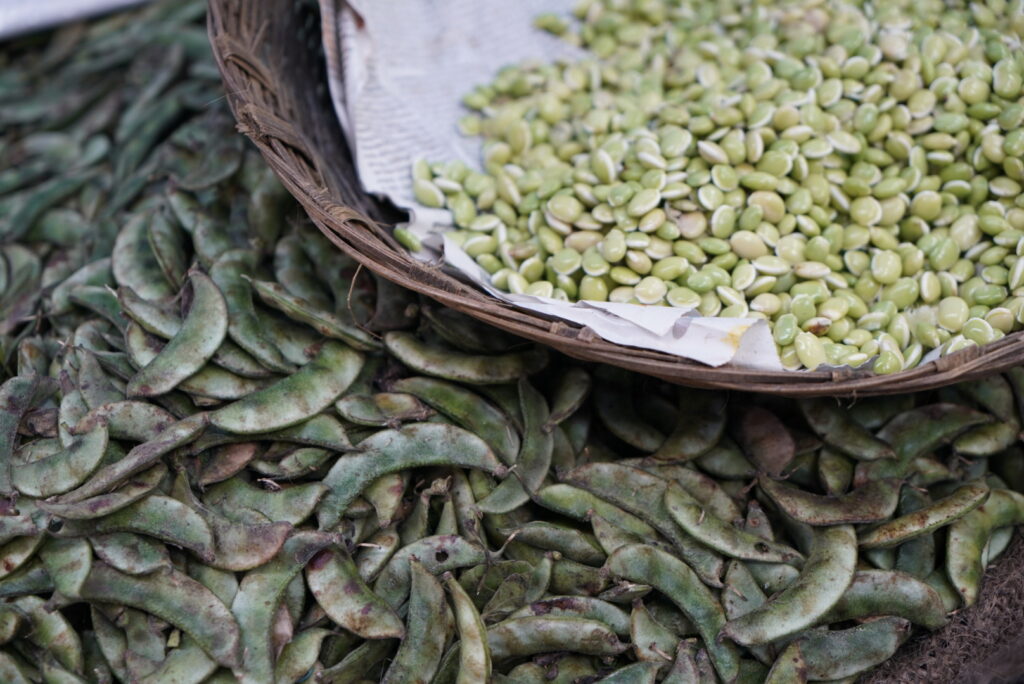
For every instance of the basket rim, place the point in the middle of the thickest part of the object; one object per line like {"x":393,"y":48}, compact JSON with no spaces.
{"x":267,"y":112}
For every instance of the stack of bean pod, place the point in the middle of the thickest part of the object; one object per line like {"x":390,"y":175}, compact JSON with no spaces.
{"x":227,"y":454}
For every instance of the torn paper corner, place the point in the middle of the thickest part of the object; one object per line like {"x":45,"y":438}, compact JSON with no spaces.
{"x":397,"y":71}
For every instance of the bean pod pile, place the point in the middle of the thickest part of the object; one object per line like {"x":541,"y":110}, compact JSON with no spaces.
{"x":850,"y":172}
{"x":228,"y":454}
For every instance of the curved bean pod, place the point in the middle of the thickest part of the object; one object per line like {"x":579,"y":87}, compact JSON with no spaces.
{"x":299,"y":657}
{"x":579,"y":504}
{"x":294,"y":271}
{"x":571,"y":390}
{"x":705,"y":490}
{"x":159,"y":320}
{"x":133,"y":263}
{"x":926,"y":520}
{"x":383,"y":409}
{"x":652,"y":641}
{"x":643,"y":494}
{"x":730,"y":541}
{"x":176,"y":598}
{"x":64,"y":470}
{"x":581,"y":607}
{"x":13,"y":526}
{"x":528,"y":636}
{"x":134,"y":421}
{"x":915,"y":433}
{"x":360,"y":660}
{"x":727,"y":462}
{"x":570,"y":577}
{"x":881,"y":592}
{"x":841,"y":432}
{"x":17,"y":396}
{"x":831,"y":655}
{"x":637,"y":673}
{"x":699,"y":428}
{"x":141,"y":457}
{"x":474,"y":651}
{"x":31,"y":578}
{"x":228,"y":272}
{"x":987,"y":440}
{"x":825,"y":577}
{"x":386,"y":495}
{"x":534,"y":458}
{"x":201,"y":334}
{"x":296,"y":398}
{"x":835,"y":472}
{"x":674,"y":579}
{"x":105,"y":504}
{"x":427,"y":629}
{"x":335,"y":583}
{"x":871,"y":502}
{"x":156,"y":516}
{"x":301,"y":310}
{"x":995,"y":395}
{"x":617,"y":411}
{"x":997,"y":544}
{"x":322,"y":430}
{"x":296,"y":343}
{"x":256,"y":604}
{"x":466,"y":368}
{"x":390,"y":451}
{"x":570,"y":542}
{"x":237,"y":546}
{"x":968,"y":536}
{"x":51,"y":631}
{"x":467,"y":409}
{"x":130,"y":553}
{"x":438,"y":554}
{"x":289,"y":504}
{"x":93,"y":382}
{"x":789,"y":667}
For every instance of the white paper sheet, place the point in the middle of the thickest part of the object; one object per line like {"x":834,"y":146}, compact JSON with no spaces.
{"x":398,"y":70}
{"x":22,"y":16}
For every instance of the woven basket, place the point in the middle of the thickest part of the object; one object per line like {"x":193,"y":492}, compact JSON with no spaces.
{"x":277,"y":89}
{"x":269,"y":52}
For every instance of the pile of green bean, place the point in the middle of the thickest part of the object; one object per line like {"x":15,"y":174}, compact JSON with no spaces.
{"x":227,"y":454}
{"x":850,"y":172}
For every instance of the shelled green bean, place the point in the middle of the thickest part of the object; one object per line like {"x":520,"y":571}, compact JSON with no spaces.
{"x":850,"y":172}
